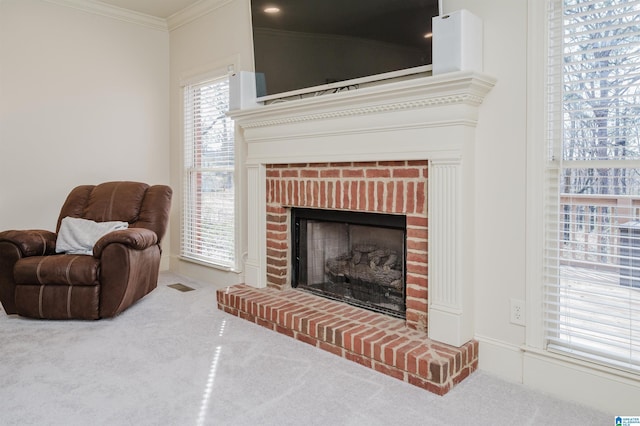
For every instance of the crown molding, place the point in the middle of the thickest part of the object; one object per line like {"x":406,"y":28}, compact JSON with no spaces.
{"x":102,"y":9}
{"x":178,"y":19}
{"x":193,"y":12}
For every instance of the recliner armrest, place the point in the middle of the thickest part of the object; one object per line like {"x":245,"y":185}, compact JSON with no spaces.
{"x":136,"y":238}
{"x":31,"y":242}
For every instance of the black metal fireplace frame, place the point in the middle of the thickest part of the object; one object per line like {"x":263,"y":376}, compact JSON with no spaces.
{"x":382,"y":220}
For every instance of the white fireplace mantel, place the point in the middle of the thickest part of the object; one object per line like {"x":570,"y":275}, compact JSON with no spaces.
{"x":430,"y":118}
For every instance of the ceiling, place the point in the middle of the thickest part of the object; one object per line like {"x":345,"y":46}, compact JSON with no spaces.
{"x":403,"y":22}
{"x":158,"y":8}
{"x":308,"y":12}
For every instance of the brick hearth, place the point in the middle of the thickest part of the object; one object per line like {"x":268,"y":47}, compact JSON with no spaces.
{"x":374,"y":340}
{"x":399,"y":348}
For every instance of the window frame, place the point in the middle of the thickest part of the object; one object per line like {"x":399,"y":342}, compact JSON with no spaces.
{"x":538,"y":190}
{"x":211,"y":73}
{"x":537,"y":64}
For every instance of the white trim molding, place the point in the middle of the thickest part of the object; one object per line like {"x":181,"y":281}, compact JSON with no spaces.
{"x":193,"y":12}
{"x":178,"y":19}
{"x":536,"y":151}
{"x":604,"y":388}
{"x":500,"y":358}
{"x":447,"y":319}
{"x":114,"y":12}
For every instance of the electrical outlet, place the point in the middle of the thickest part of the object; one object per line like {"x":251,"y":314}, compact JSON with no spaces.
{"x":517,"y":312}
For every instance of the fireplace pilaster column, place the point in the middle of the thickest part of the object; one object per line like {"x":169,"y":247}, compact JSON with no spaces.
{"x":450,"y":242}
{"x":256,"y":260}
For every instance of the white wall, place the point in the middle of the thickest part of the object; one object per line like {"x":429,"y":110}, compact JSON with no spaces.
{"x":213,"y":41}
{"x":500,"y":171}
{"x":507,"y":213}
{"x":83,"y":99}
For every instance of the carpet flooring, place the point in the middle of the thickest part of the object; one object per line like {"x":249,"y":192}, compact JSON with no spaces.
{"x":175,"y":359}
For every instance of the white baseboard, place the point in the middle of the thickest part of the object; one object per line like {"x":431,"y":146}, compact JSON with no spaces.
{"x":609,"y":390}
{"x":165,"y":261}
{"x":602,"y":388}
{"x":205,"y":273}
{"x":499,"y":358}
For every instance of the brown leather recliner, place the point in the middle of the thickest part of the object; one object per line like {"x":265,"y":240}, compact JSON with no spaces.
{"x":37,"y":282}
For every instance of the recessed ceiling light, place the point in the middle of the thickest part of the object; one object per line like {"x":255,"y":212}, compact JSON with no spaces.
{"x":271,"y":9}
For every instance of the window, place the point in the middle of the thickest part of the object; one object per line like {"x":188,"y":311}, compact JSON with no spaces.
{"x":208,"y":215}
{"x":591,"y":297}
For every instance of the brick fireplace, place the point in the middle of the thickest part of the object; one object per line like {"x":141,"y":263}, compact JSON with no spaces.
{"x":396,"y":187}
{"x":400,"y":148}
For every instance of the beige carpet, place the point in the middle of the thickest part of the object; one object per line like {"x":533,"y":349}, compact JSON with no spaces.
{"x":175,"y":359}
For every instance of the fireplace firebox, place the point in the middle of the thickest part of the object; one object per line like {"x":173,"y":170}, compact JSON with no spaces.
{"x":354,"y":257}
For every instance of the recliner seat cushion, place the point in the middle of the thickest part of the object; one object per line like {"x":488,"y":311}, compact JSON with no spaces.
{"x":62,"y":269}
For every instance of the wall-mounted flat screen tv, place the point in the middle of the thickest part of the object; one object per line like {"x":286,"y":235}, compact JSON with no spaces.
{"x":302,"y":44}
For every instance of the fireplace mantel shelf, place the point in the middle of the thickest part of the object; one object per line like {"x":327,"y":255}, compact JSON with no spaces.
{"x":418,"y":115}
{"x":447,"y":89}
{"x":427,"y":118}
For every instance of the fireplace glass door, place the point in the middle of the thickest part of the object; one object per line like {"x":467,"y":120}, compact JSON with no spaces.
{"x":358,"y":258}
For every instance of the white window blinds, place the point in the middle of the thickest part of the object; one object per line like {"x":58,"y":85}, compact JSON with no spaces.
{"x":208,"y":219}
{"x":592,"y":281}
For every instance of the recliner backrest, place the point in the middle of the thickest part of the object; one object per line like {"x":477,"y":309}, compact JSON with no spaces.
{"x":139,"y":204}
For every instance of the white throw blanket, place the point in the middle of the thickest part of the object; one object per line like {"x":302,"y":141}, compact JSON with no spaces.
{"x":78,"y":236}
